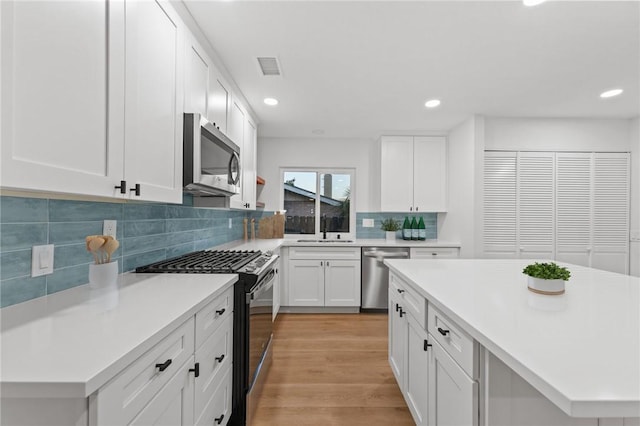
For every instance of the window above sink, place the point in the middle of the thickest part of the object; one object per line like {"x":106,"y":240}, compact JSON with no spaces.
{"x":318,"y":204}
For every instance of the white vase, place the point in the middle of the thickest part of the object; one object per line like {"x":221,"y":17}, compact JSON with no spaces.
{"x":542,"y":286}
{"x":390,"y":235}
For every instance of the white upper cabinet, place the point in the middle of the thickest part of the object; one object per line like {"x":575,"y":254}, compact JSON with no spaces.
{"x":154,"y":82}
{"x":413,"y":174}
{"x":243,"y":132}
{"x":219,"y":99}
{"x":62,"y":97}
{"x":197,"y":76}
{"x":92,"y":96}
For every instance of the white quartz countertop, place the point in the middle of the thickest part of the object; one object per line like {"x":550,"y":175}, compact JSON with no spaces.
{"x":70,"y":343}
{"x":581,"y":349}
{"x":266,"y":244}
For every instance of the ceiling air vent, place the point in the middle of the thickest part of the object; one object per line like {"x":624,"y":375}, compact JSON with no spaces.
{"x":269,"y":66}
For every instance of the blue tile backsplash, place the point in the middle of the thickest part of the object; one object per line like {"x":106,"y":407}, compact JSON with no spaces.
{"x":147,"y":233}
{"x":430,"y":222}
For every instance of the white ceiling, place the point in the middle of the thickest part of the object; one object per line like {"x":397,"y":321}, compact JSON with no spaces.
{"x":364,"y":68}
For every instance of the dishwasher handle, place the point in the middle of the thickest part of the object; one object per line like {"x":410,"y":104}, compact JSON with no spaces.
{"x":384,"y":254}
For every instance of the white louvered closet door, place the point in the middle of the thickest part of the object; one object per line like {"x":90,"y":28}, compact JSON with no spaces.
{"x":499,"y":214}
{"x":573,"y":208}
{"x":611,"y":212}
{"x":535,"y":224}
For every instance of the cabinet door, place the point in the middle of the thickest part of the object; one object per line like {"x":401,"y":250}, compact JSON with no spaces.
{"x":397,"y":340}
{"x":536,"y":204}
{"x":342,"y":283}
{"x":218,"y":103}
{"x":154,"y":100}
{"x":573,"y":208}
{"x":173,"y":405}
{"x":62,"y":96}
{"x":249,"y":169}
{"x":396,"y":174}
{"x":611,"y":212}
{"x":429,"y":174}
{"x":196,"y":81}
{"x":417,"y":384}
{"x":453,"y":396}
{"x":237,"y":128}
{"x":306,"y":283}
{"x":500,"y":207}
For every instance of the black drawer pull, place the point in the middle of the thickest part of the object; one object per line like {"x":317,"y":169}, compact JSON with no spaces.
{"x":400,"y":291}
{"x":122,"y":187}
{"x":221,"y":311}
{"x":164,"y":365}
{"x":195,"y":370}
{"x":427,"y":345}
{"x":136,"y":189}
{"x":220,"y":358}
{"x":219,"y":419}
{"x":402,"y":312}
{"x":443,"y":332}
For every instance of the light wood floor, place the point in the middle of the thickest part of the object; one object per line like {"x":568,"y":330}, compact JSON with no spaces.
{"x":331,"y":370}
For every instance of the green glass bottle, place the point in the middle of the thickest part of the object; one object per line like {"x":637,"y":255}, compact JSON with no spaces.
{"x":422,"y":231}
{"x":406,"y":229}
{"x":414,"y":228}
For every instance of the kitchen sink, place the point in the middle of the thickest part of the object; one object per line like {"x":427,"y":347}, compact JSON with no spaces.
{"x":325,"y":241}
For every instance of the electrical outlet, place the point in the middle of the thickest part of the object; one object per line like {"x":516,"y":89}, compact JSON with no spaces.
{"x":42,"y":260}
{"x":109,"y":228}
{"x":230,"y":223}
{"x":367,"y":223}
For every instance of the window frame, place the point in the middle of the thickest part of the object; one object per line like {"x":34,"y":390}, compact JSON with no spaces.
{"x":351,"y":235}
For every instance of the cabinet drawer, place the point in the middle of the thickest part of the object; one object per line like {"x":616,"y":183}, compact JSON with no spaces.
{"x":456,"y":342}
{"x":335,"y":253}
{"x":218,"y":409}
{"x":434,"y":252}
{"x":135,"y":386}
{"x":411,"y":301}
{"x":214,"y":358}
{"x":211,"y":316}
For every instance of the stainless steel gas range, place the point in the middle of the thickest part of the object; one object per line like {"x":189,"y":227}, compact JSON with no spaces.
{"x":252,"y":320}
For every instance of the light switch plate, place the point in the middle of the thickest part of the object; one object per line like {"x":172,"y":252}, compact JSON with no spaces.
{"x":367,"y":223}
{"x":42,"y":260}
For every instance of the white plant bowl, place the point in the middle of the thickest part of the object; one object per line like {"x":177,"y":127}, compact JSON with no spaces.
{"x":548,"y":287}
{"x":390,"y":235}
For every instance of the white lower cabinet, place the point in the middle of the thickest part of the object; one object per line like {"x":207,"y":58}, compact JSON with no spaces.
{"x":453,"y":395}
{"x":324,"y":277}
{"x":177,"y":381}
{"x":437,"y":390}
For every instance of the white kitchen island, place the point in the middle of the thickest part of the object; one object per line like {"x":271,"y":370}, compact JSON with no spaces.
{"x":530,"y":359}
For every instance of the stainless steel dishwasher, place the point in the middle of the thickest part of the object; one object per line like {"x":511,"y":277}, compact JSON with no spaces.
{"x":375,"y":276}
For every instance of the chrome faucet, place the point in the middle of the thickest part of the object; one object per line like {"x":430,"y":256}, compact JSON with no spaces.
{"x":324,"y":226}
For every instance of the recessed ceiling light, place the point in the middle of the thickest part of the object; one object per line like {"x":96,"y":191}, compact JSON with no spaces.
{"x":432,"y":103}
{"x":532,"y":2}
{"x":611,"y":93}
{"x":271,"y":101}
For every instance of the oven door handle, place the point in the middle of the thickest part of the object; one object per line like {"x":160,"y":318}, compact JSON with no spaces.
{"x":261,"y":287}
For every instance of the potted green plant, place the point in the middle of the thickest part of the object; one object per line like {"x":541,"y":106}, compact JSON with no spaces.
{"x":390,"y":226}
{"x":546,"y":278}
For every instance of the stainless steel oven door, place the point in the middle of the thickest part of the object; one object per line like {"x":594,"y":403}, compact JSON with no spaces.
{"x":260,"y":301}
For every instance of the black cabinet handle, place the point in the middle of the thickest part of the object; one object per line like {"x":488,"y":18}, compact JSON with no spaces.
{"x":136,"y":189}
{"x":219,"y":419}
{"x":220,"y":358}
{"x":221,"y":311}
{"x":427,"y":345}
{"x":397,"y":307}
{"x":122,"y":187}
{"x":195,"y":370}
{"x":443,"y":332}
{"x":400,"y":291}
{"x":164,"y":365}
{"x":401,"y":312}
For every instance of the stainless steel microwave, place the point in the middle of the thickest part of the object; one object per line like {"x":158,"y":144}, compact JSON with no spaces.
{"x":211,"y":164}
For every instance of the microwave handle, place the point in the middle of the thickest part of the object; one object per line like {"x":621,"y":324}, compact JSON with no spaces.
{"x":235,"y":157}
